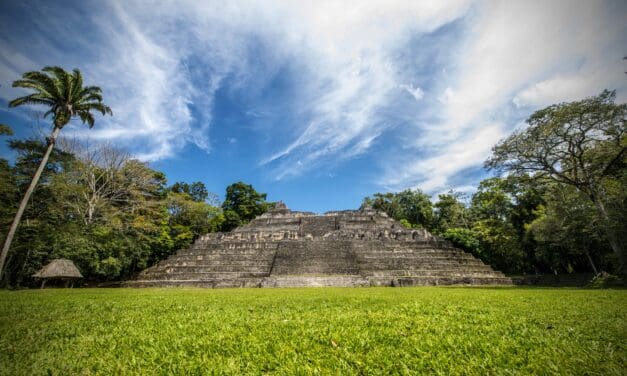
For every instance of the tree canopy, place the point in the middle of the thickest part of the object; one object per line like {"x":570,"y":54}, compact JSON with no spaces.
{"x":242,"y":203}
{"x":577,"y":143}
{"x":63,"y":94}
{"x":580,"y":144}
{"x":196,"y":190}
{"x":412,"y":206}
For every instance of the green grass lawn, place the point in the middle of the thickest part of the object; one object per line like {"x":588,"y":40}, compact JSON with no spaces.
{"x":314,"y":331}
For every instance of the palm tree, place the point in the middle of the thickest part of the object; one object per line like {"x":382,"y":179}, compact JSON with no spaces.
{"x":63,"y":92}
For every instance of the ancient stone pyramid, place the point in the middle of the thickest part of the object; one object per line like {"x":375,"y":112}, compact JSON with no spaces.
{"x":283,"y":248}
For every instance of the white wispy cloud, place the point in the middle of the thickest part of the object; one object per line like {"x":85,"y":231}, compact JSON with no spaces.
{"x":432,"y":173}
{"x":515,"y":57}
{"x":415,"y":92}
{"x":150,"y":92}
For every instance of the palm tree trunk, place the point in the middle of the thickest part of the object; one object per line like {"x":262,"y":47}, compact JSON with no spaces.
{"x":29,"y":192}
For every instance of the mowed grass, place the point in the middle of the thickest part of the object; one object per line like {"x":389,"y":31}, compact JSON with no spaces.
{"x":340,"y":331}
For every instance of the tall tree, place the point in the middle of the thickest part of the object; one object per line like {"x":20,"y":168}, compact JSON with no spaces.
{"x":66,"y":97}
{"x":413,"y":206}
{"x":243,"y":201}
{"x":197,"y":190}
{"x":491,"y":210}
{"x":581,"y":144}
{"x":450,"y":212}
{"x":566,"y":229}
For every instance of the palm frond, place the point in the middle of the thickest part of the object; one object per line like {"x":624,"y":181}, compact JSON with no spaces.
{"x":78,"y":84}
{"x":87,"y":117}
{"x":45,"y":81}
{"x":87,"y":90}
{"x":58,"y":72}
{"x":30,"y":99}
{"x":60,"y":79}
{"x":91,"y":97}
{"x":63,"y":93}
{"x":51,"y":111}
{"x":98,"y":106}
{"x":37,"y":81}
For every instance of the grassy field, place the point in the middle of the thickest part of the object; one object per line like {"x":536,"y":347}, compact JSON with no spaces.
{"x":314,"y":331}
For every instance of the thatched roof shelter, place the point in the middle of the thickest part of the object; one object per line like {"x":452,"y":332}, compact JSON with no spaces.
{"x":59,"y":268}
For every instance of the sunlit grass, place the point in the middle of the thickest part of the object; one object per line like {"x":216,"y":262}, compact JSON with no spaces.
{"x":318,"y":330}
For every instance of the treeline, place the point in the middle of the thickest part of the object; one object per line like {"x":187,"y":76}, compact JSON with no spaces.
{"x":109,"y":213}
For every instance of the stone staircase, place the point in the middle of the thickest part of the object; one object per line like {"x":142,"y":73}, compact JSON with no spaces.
{"x":294,"y":249}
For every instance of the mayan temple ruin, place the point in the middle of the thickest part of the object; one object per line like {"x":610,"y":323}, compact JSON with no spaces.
{"x":284,"y":248}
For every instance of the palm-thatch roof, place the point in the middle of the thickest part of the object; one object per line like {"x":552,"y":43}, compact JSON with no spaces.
{"x":59,"y":268}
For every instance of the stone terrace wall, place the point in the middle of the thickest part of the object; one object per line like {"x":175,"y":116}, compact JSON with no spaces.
{"x":318,"y":226}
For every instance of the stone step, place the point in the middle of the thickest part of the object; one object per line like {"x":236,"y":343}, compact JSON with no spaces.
{"x":313,"y":280}
{"x":418,"y":264}
{"x":214,"y":262}
{"x":390,"y":264}
{"x":215,"y":283}
{"x":242,"y":244}
{"x":417,"y":257}
{"x":237,"y":243}
{"x":366,"y":247}
{"x":315,"y":269}
{"x":232,"y":245}
{"x":366,"y":256}
{"x":261,"y":254}
{"x":174,"y":274}
{"x":217,"y":268}
{"x":409,"y":244}
{"x":280,"y":261}
{"x":438,"y":281}
{"x":323,"y":268}
{"x":413,"y":260}
{"x":427,"y":266}
{"x":434,"y":273}
{"x":407,"y":261}
{"x":227,"y":252}
{"x":208,"y":258}
{"x":371,"y":260}
{"x":411,"y":252}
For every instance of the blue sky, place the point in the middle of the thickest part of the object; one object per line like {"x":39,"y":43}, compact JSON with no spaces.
{"x":317,"y":103}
